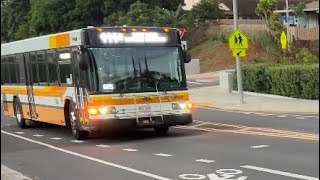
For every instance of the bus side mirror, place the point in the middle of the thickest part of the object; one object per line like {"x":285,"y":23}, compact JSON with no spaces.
{"x":83,"y":61}
{"x":186,"y":57}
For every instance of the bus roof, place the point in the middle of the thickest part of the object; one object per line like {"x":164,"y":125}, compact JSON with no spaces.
{"x":61,"y":40}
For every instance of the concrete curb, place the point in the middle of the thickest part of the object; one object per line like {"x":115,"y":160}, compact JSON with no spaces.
{"x":240,"y":109}
{"x":266,"y":95}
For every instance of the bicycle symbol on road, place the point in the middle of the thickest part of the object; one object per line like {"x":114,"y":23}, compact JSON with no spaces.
{"x":221,"y":174}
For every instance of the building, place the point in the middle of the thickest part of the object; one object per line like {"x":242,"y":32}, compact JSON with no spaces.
{"x":246,"y":8}
{"x":310,"y":18}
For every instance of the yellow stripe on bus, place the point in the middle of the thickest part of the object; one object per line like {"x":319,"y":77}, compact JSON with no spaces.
{"x":108,"y":100}
{"x":56,"y":91}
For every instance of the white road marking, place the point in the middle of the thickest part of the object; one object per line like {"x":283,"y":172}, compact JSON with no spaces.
{"x":259,"y":146}
{"x":281,"y":116}
{"x":193,"y":82}
{"x":310,"y":116}
{"x":192,"y":176}
{"x":37,"y":135}
{"x":259,"y":113}
{"x":103,"y":145}
{"x":77,"y":141}
{"x":267,"y":114}
{"x":205,"y":160}
{"x":130,"y":150}
{"x":19,"y":132}
{"x":55,"y":138}
{"x":88,"y":157}
{"x":247,"y":112}
{"x":280,"y":172}
{"x":164,"y":155}
{"x":300,"y":118}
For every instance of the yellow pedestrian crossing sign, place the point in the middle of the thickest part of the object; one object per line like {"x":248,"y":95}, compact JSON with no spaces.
{"x":283,"y":40}
{"x":238,"y":40}
{"x":239,"y":53}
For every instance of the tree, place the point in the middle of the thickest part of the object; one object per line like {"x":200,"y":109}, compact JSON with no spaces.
{"x":205,"y":10}
{"x":265,"y":9}
{"x":298,"y":9}
{"x":13,"y":14}
{"x":141,"y":14}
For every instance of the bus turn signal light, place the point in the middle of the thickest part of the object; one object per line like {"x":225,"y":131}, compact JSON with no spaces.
{"x":166,"y":30}
{"x":93,"y":111}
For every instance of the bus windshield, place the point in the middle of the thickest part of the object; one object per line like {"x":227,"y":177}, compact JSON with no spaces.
{"x":147,"y":69}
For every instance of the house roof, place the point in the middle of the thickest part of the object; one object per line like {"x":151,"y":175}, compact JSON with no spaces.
{"x":248,"y":7}
{"x":310,"y":7}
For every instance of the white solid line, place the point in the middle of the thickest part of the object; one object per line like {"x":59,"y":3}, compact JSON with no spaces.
{"x":258,"y":113}
{"x":19,"y":132}
{"x":193,"y":82}
{"x":102,"y":145}
{"x":88,"y":157}
{"x":164,"y":155}
{"x":300,"y":118}
{"x":259,"y":146}
{"x":56,"y":138}
{"x":130,"y":150}
{"x":37,"y":135}
{"x":205,"y":160}
{"x":280,"y":172}
{"x":267,"y":114}
{"x":77,"y":141}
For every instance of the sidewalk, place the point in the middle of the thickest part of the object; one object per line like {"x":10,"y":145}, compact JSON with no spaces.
{"x":214,"y":96}
{"x":9,"y":174}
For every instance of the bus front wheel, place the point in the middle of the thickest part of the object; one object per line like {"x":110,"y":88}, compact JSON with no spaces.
{"x":19,"y":114}
{"x":74,"y":124}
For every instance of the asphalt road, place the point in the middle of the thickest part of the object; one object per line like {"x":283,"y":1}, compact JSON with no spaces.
{"x":219,"y":145}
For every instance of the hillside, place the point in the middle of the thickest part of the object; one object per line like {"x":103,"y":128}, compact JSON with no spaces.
{"x":216,"y":55}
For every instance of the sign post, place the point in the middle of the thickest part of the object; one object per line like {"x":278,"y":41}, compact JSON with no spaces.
{"x":240,"y":52}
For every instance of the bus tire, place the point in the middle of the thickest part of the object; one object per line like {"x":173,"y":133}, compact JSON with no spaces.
{"x":19,"y":114}
{"x":74,"y":124}
{"x":161,"y":129}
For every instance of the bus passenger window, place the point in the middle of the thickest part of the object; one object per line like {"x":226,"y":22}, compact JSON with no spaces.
{"x":34,"y":68}
{"x":53,"y":69}
{"x":42,"y":68}
{"x":4,"y":71}
{"x":20,"y":68}
{"x":13,"y":74}
{"x":65,"y":68}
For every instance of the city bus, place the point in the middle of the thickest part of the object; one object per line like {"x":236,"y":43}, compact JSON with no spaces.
{"x":96,"y":78}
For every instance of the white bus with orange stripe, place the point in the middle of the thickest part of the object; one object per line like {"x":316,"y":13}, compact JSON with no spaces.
{"x":93,"y":79}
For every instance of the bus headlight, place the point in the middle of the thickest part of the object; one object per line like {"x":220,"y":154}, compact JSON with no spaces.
{"x":101,"y":110}
{"x":107,"y":110}
{"x":178,"y":106}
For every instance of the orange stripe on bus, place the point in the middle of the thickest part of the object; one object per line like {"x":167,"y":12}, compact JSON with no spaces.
{"x":59,"y":40}
{"x":108,"y":100}
{"x":56,"y":91}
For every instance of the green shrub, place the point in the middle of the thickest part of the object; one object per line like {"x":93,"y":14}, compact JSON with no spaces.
{"x":298,"y":81}
{"x":305,"y":56}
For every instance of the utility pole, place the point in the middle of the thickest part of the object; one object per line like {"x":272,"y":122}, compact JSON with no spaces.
{"x":287,"y":19}
{"x":238,"y":60}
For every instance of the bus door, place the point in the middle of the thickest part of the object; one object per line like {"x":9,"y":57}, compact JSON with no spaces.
{"x":80,"y":93}
{"x":29,"y":85}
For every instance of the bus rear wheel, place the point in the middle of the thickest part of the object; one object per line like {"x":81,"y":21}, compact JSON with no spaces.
{"x":161,"y":129}
{"x":74,"y":125}
{"x":19,"y":114}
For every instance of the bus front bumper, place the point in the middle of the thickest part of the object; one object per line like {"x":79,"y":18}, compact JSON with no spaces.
{"x":143,"y":122}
